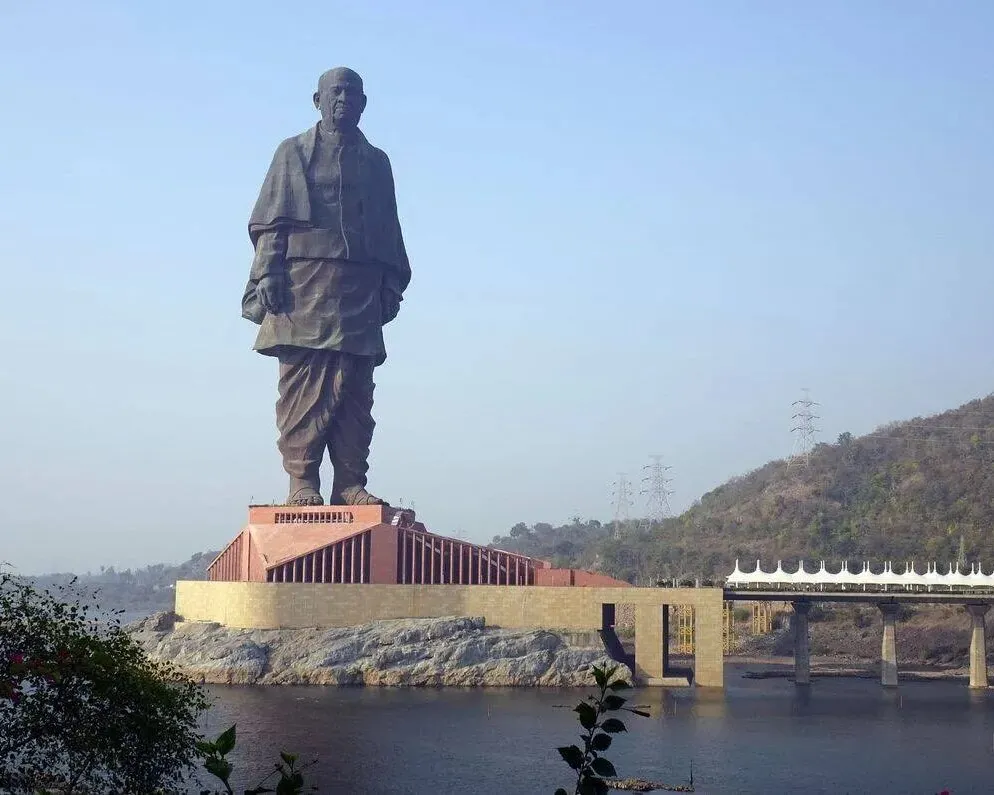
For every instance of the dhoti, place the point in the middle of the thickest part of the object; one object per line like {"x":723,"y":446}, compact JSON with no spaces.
{"x":325,"y":401}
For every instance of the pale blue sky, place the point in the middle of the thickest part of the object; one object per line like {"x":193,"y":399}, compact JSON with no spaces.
{"x":635,"y":228}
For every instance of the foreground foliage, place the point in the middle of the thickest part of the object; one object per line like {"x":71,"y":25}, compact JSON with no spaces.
{"x":592,"y":768}
{"x":290,"y":779}
{"x":82,"y":708}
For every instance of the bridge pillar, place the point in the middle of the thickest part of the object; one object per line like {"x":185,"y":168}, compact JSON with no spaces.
{"x":802,"y":651}
{"x":709,"y":647}
{"x":978,"y":646}
{"x":651,"y":645}
{"x":666,"y":640}
{"x":888,"y":646}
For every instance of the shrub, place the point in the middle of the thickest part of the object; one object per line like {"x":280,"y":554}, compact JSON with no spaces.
{"x":590,"y":765}
{"x":82,"y":708}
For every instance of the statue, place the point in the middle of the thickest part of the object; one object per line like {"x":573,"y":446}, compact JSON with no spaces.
{"x":329,"y":271}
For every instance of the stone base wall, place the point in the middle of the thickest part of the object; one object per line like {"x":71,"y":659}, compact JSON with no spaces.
{"x":299,"y":605}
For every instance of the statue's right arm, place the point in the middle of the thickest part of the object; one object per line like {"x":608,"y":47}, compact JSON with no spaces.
{"x":269,"y":269}
{"x":270,"y":254}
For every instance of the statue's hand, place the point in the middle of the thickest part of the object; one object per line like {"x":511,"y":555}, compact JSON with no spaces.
{"x":391,"y":305}
{"x":272,"y":293}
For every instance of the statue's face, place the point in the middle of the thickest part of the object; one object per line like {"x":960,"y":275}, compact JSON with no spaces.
{"x":340,"y":99}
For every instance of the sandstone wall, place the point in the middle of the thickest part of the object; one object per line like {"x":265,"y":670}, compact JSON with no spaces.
{"x":302,"y":605}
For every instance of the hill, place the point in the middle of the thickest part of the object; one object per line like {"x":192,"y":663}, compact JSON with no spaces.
{"x":921,"y":490}
{"x":138,"y":593}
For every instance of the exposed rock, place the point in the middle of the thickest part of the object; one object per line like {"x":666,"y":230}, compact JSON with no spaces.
{"x":157,"y":622}
{"x":429,"y":652}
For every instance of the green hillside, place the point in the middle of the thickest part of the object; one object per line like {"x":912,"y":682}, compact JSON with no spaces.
{"x":921,"y":489}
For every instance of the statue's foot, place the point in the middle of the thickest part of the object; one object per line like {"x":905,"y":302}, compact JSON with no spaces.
{"x":306,"y":499}
{"x":355,"y":495}
{"x":304,"y":494}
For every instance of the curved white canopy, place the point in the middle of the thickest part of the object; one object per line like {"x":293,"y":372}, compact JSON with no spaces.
{"x":844,"y":579}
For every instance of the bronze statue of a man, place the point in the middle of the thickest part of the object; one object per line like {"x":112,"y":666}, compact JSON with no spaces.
{"x":329,"y":271}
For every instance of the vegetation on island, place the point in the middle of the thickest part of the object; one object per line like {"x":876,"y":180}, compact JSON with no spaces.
{"x":916,"y":490}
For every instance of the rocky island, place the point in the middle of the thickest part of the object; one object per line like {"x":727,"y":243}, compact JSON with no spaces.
{"x":432,"y":652}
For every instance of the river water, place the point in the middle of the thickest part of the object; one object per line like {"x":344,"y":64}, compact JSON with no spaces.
{"x":757,"y":736}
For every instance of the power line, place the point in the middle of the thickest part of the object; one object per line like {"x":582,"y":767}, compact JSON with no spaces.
{"x":622,"y":495}
{"x":655,"y":487}
{"x":804,"y":430}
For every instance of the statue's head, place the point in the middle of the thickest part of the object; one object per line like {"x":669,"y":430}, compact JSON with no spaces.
{"x":340,"y":99}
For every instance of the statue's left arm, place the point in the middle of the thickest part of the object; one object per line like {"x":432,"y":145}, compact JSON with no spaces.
{"x":397,"y":275}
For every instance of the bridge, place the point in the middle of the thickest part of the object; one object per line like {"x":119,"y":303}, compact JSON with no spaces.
{"x":887,"y":589}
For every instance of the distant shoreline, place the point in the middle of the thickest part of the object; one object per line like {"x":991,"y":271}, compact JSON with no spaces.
{"x":841,"y":667}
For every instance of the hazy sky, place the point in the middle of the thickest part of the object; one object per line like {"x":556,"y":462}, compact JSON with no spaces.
{"x":635,"y":228}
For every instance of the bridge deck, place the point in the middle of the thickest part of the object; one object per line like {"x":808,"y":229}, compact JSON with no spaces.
{"x":870,"y":597}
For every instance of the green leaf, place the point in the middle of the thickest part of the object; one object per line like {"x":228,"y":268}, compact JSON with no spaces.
{"x":593,"y":786}
{"x":619,"y":684}
{"x":572,"y":755}
{"x":600,"y":677}
{"x":601,"y":742}
{"x":613,"y":702}
{"x":226,"y":742}
{"x":613,"y":726}
{"x":603,"y":768}
{"x":290,"y":759}
{"x":291,"y":785}
{"x":561,"y":791}
{"x":588,"y":715}
{"x":219,"y":768}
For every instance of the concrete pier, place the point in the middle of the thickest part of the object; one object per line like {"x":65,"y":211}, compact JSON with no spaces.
{"x":978,"y":646}
{"x":802,"y":650}
{"x":888,"y":646}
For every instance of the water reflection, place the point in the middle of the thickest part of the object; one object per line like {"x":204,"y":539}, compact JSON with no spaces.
{"x":767,"y":735}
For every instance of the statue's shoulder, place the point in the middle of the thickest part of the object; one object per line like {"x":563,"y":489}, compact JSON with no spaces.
{"x":375,"y":153}
{"x":296,"y":145}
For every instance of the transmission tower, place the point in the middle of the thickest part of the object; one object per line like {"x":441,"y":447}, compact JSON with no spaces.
{"x":804,"y":430}
{"x":655,"y":487}
{"x":622,"y":494}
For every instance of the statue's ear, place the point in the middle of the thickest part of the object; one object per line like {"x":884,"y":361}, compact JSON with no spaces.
{"x":363,"y":108}
{"x":317,"y":100}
